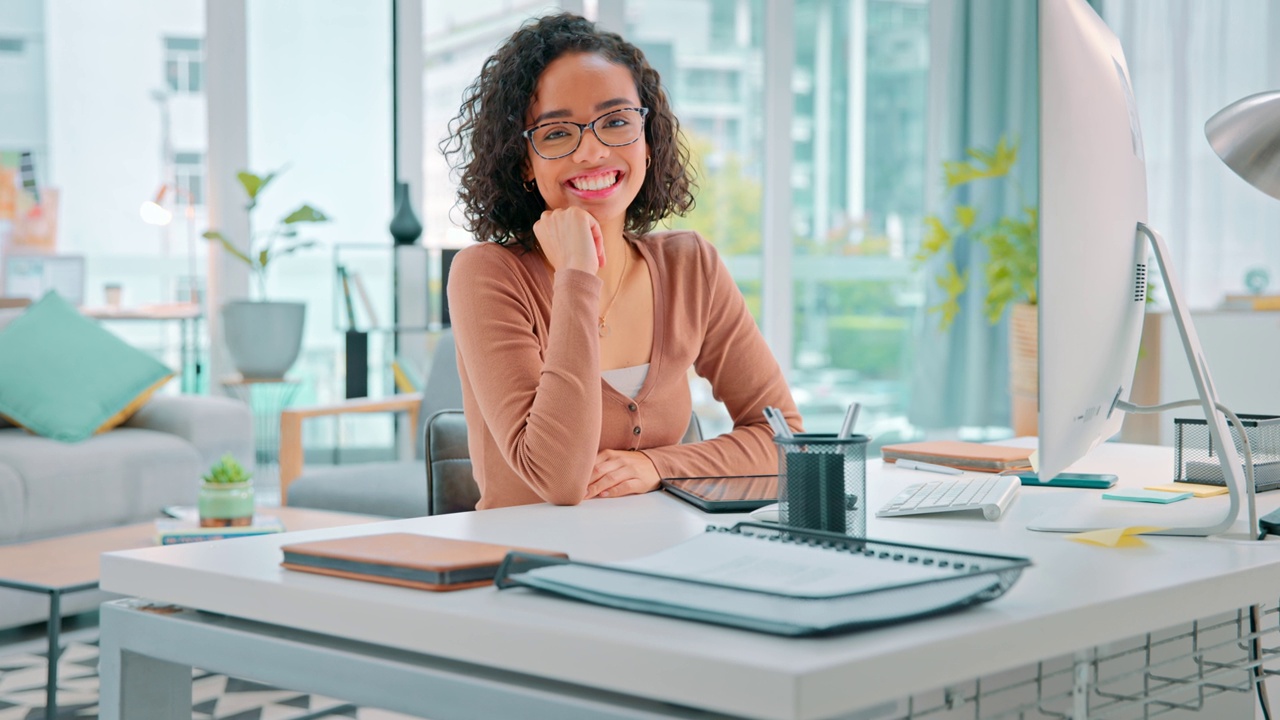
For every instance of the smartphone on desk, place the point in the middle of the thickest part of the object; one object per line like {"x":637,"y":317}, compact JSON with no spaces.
{"x":1100,"y":481}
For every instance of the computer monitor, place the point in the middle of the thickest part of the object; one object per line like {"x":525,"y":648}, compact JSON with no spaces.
{"x":1093,"y":194}
{"x":1094,"y":245}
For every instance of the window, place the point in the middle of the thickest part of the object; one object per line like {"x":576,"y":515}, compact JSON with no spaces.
{"x":858,"y":167}
{"x":188,"y":170}
{"x":184,"y":64}
{"x":457,"y":37}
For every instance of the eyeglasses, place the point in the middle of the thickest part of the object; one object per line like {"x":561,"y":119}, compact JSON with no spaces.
{"x":553,"y":141}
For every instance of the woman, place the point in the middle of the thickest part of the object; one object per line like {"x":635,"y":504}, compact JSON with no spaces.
{"x":576,"y":326}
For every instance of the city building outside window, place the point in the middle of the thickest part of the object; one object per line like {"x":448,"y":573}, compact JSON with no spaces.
{"x":184,"y":64}
{"x":188,"y":170}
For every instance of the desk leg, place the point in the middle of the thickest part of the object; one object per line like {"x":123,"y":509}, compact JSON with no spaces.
{"x":186,"y":372}
{"x":54,"y":629}
{"x":134,"y":686}
{"x":1080,"y":688}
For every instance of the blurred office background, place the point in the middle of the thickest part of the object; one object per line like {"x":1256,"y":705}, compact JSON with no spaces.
{"x":820,"y":128}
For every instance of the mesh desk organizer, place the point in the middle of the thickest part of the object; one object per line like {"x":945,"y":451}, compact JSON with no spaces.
{"x":1196,"y":460}
{"x":778,"y":580}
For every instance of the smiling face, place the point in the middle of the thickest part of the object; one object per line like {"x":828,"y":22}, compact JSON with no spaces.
{"x":603,"y":180}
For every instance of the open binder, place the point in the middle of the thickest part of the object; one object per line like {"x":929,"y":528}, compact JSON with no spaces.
{"x":778,"y":580}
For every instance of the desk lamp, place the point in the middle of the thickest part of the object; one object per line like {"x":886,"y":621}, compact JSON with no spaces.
{"x":154,"y":212}
{"x":1246,"y":135}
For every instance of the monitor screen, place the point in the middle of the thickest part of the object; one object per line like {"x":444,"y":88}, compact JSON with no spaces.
{"x":31,"y":276}
{"x":1093,"y":194}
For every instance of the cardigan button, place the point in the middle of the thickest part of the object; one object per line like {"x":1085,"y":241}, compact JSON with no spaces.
{"x":636,"y":430}
{"x":632,"y":407}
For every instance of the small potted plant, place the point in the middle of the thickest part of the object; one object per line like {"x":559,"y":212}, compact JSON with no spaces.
{"x":226,"y":496}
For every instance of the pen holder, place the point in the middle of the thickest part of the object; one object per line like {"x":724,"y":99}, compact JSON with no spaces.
{"x":822,"y":482}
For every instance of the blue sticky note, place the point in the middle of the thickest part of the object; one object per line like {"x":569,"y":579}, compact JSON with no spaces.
{"x":1150,"y":496}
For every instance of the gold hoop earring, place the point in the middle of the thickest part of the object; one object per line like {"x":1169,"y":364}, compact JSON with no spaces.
{"x":530,"y":185}
{"x":648,"y":160}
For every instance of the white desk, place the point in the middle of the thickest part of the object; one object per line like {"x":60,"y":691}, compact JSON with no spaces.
{"x":490,"y":653}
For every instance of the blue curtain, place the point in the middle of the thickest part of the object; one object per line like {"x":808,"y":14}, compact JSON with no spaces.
{"x":983,"y":85}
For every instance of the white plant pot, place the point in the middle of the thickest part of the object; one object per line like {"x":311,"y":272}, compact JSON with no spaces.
{"x":263,"y":337}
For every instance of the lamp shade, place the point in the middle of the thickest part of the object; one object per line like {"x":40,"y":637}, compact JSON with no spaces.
{"x":1246,"y":135}
{"x":154,"y":214}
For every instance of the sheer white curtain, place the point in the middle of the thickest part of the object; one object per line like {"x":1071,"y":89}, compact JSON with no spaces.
{"x":1189,"y":59}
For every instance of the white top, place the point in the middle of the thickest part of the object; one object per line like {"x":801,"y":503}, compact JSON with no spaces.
{"x":627,"y":380}
{"x":1074,"y":596}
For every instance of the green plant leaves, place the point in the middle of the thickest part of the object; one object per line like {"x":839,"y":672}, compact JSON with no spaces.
{"x":264,"y":240}
{"x":1011,"y":243}
{"x":255,"y":184}
{"x":226,"y":471}
{"x":291,"y":249}
{"x":952,"y":283}
{"x":937,"y":238}
{"x":306,"y":213}
{"x":984,"y":164}
{"x":226,"y":245}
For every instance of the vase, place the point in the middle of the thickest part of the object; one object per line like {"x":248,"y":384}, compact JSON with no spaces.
{"x":405,"y":227}
{"x":1024,"y":369}
{"x":226,"y":504}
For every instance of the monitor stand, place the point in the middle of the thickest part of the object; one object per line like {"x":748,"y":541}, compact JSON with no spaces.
{"x":1083,"y":519}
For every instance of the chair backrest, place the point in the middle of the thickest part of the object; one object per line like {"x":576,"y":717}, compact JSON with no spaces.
{"x":443,"y":387}
{"x":451,"y":487}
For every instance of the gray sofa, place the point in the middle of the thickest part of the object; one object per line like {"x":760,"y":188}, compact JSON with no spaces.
{"x":49,"y":488}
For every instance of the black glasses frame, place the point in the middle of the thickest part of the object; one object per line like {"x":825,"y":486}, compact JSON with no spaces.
{"x":582,"y":131}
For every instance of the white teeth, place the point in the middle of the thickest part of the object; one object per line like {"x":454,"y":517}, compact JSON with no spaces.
{"x":598,"y":182}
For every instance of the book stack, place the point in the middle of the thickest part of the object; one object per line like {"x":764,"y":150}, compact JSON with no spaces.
{"x":1251,"y":302}
{"x":976,"y":457}
{"x":177,"y":532}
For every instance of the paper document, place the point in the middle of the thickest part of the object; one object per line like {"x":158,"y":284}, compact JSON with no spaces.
{"x":794,"y":569}
{"x":777,"y":585}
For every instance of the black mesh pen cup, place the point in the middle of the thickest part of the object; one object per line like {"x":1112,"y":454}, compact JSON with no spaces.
{"x":822,"y":482}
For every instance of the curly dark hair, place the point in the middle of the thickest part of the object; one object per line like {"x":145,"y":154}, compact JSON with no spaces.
{"x":487,"y":151}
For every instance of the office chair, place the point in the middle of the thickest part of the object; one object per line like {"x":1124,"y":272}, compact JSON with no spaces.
{"x":450,"y":485}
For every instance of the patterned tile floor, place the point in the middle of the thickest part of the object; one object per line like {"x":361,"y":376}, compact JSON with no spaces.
{"x":214,"y":697}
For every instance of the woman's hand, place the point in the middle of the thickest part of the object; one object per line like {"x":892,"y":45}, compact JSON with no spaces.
{"x":619,"y":472}
{"x":570,"y":238}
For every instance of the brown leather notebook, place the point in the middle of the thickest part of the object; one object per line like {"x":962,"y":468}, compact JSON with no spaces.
{"x":417,"y":561}
{"x":962,"y":455}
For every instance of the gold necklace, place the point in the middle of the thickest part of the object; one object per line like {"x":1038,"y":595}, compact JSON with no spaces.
{"x":604,"y":328}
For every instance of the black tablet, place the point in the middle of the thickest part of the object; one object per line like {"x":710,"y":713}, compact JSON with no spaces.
{"x":732,"y":493}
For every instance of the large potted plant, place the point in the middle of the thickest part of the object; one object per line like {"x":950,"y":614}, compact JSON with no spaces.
{"x":265,"y":336}
{"x":1010,"y":269}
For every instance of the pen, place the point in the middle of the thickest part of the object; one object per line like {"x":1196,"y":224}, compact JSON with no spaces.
{"x":779,"y":425}
{"x":850,"y":419}
{"x":929,"y":467}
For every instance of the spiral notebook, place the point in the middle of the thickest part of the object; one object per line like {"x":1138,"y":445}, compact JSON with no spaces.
{"x":778,"y":580}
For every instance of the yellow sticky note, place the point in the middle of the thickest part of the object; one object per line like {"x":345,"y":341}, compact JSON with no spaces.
{"x":1115,"y":537}
{"x":1034,"y":459}
{"x":1193,"y":488}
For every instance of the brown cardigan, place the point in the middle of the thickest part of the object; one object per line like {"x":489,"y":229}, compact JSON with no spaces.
{"x":537,"y":409}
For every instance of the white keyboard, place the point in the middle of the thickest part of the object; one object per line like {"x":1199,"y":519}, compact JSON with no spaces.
{"x":991,"y":494}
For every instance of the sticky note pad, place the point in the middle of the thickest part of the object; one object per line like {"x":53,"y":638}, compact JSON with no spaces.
{"x":1115,"y":537}
{"x":1151,"y":496}
{"x":1193,"y":488}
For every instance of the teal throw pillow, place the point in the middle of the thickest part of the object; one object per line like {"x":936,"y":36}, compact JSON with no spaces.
{"x":65,"y":377}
